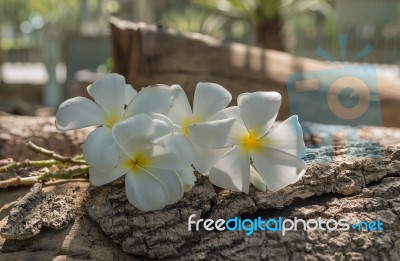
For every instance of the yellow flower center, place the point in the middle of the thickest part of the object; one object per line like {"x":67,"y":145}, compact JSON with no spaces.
{"x":250,"y":142}
{"x":186,"y":123}
{"x":138,"y":161}
{"x":112,"y":119}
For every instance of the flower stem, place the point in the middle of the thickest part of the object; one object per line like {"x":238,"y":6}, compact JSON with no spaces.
{"x":77,"y":166}
{"x":51,"y":154}
{"x":26,"y":164}
{"x":65,"y":174}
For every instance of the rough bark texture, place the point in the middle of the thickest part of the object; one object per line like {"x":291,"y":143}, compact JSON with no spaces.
{"x":187,"y":59}
{"x":360,"y":189}
{"x":81,"y":240}
{"x":35,"y":210}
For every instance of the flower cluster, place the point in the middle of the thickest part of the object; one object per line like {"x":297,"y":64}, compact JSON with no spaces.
{"x":153,"y":137}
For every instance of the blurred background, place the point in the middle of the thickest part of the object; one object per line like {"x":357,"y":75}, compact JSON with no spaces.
{"x":49,"y":47}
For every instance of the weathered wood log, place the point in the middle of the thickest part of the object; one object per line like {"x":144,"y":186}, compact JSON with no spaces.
{"x":361,"y":189}
{"x":147,"y":55}
{"x":353,"y":188}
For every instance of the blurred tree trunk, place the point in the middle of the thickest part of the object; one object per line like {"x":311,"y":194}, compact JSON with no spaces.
{"x":269,"y":34}
{"x":52,"y":90}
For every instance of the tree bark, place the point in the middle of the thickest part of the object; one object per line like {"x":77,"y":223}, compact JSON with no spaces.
{"x":362,"y":189}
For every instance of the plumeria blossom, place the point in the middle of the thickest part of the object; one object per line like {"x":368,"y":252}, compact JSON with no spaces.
{"x":114,"y":101}
{"x":209,"y":98}
{"x":153,"y":137}
{"x":155,"y":163}
{"x":246,"y":130}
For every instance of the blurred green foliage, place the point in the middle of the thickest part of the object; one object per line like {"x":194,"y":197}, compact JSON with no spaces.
{"x":295,"y":26}
{"x":196,"y":20}
{"x":64,"y":13}
{"x":259,"y":20}
{"x":26,"y":21}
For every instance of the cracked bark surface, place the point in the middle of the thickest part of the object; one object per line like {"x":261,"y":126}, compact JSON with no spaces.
{"x":355,"y":189}
{"x":36,"y":210}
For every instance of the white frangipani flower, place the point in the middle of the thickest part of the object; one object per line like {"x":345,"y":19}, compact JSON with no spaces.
{"x":114,"y":102}
{"x":209,"y":98}
{"x":275,"y":153}
{"x":151,"y":179}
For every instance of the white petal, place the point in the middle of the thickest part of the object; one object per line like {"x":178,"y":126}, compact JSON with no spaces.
{"x":129,"y":93}
{"x":163,"y":126}
{"x":134,"y":135}
{"x":145,"y":191}
{"x":287,"y":137}
{"x":230,"y":112}
{"x":109,"y":93}
{"x":99,"y":178}
{"x":79,"y":112}
{"x":150,"y":99}
{"x":259,"y":111}
{"x":217,"y":134}
{"x":204,"y":159}
{"x":187,"y":177}
{"x":209,"y":98}
{"x":278,"y":169}
{"x":256,"y":180}
{"x":171,"y":182}
{"x":232,"y":171}
{"x":180,"y":110}
{"x":174,"y":152}
{"x":100,"y":150}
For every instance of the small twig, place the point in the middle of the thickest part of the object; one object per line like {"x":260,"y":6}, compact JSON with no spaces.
{"x":78,"y":157}
{"x":51,"y":154}
{"x":79,"y":167}
{"x":65,"y":174}
{"x":26,"y":164}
